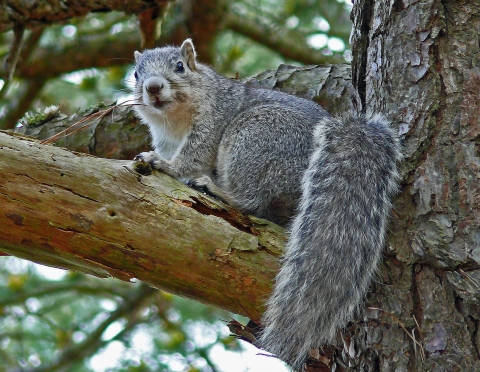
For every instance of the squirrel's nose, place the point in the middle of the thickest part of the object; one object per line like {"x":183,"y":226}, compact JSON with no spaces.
{"x":154,"y":88}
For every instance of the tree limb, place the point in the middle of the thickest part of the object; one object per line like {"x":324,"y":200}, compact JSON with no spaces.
{"x":105,"y":291}
{"x":12,"y":58}
{"x":98,"y":216}
{"x":86,"y":52}
{"x":40,"y":13}
{"x":284,"y":41}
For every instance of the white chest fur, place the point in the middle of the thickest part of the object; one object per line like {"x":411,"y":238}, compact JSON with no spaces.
{"x":169,"y":127}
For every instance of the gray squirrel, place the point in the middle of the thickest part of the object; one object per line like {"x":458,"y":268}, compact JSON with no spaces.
{"x":329,"y":181}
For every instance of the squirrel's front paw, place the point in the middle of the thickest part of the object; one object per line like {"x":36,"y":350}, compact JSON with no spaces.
{"x":145,"y":162}
{"x":147,"y":157}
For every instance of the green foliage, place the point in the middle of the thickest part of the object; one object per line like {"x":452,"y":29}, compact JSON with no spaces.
{"x":44,"y":319}
{"x":85,"y":88}
{"x":325,"y":24}
{"x":40,"y":116}
{"x":240,"y":55}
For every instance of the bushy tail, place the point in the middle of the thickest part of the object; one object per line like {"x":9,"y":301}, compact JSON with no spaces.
{"x":336,"y":239}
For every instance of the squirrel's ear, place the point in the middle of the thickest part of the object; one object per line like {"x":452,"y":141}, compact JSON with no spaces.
{"x":137,"y":55}
{"x":188,"y":52}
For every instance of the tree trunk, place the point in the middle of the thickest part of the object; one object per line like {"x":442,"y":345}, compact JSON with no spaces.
{"x":418,"y":62}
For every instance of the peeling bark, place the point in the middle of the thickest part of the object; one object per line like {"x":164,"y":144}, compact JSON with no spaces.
{"x":99,"y":216}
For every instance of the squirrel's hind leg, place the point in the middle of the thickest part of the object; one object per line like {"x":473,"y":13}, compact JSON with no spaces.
{"x":206,"y":184}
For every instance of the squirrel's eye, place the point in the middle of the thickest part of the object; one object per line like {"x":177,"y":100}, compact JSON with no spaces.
{"x":179,"y":67}
{"x":136,"y":75}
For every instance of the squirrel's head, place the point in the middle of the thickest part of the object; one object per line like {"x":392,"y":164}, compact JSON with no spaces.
{"x":164,"y":76}
{"x":186,"y":53}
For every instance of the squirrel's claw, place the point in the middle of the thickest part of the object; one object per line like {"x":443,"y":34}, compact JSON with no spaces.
{"x":145,"y":162}
{"x":146,"y":157}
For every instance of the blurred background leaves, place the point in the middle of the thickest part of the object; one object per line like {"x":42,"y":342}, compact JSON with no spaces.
{"x":90,"y":59}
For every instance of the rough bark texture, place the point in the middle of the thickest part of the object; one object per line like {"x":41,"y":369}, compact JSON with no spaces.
{"x":419,"y":63}
{"x":100,"y":217}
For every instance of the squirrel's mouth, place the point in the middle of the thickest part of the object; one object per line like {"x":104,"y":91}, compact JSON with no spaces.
{"x":158,"y":103}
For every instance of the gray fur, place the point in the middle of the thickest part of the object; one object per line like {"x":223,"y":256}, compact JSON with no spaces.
{"x":336,"y":238}
{"x":273,"y":155}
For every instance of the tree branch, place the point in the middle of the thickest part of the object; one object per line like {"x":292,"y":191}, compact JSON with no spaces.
{"x":12,"y":58}
{"x":40,"y":13}
{"x":100,"y":217}
{"x":284,"y":41}
{"x":84,"y":288}
{"x":86,"y":52}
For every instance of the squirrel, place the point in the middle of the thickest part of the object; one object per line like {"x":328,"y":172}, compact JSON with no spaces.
{"x":329,"y":180}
